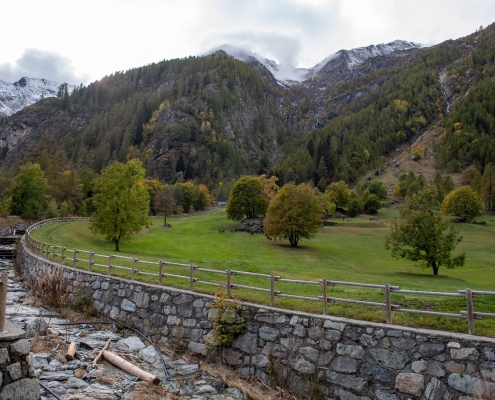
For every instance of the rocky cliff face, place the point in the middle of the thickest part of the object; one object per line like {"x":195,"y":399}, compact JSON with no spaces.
{"x":15,"y":96}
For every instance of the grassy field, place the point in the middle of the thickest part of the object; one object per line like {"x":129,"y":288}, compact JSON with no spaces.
{"x":353,"y":251}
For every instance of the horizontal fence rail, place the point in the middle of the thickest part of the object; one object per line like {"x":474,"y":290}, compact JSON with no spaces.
{"x":84,"y":259}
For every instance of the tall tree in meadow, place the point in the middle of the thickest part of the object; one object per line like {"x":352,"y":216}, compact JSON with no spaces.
{"x":423,"y":235}
{"x":121,"y":202}
{"x":294,"y":214}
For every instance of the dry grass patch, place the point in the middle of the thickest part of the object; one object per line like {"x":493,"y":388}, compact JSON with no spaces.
{"x":147,"y":391}
{"x":52,"y":289}
{"x":251,"y":386}
{"x":110,"y":379}
{"x":43,"y":344}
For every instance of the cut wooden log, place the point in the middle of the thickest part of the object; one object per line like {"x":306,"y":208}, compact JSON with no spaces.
{"x":72,"y":350}
{"x":130,"y":368}
{"x":101,"y":352}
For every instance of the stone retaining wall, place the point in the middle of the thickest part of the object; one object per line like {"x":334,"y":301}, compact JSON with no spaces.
{"x":339,"y":358}
{"x":17,"y":378}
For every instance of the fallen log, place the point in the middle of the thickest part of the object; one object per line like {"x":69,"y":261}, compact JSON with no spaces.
{"x":130,"y":368}
{"x":72,"y":350}
{"x":101,"y":352}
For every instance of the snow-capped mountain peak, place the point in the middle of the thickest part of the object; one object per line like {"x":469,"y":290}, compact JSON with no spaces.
{"x":26,"y":91}
{"x":288,"y":74}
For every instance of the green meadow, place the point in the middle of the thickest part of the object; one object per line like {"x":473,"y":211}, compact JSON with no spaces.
{"x":353,"y":251}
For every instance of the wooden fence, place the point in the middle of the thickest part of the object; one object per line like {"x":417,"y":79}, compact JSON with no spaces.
{"x":74,"y":259}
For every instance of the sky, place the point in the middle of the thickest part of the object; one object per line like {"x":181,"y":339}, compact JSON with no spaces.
{"x":83,"y":41}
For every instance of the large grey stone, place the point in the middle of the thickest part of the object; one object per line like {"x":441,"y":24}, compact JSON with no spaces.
{"x":464,"y":354}
{"x":377,"y":372}
{"x":309,"y":353}
{"x":15,"y":371}
{"x":299,"y":330}
{"x":452,"y":366}
{"x":131,"y":343}
{"x":35,"y":326}
{"x":100,"y":392}
{"x":185,"y":310}
{"x":233,"y":357}
{"x":403,"y":343}
{"x":183,"y":298}
{"x":344,"y":364}
{"x":489,"y":353}
{"x":470,"y":385}
{"x":347,"y":381}
{"x":389,"y":359}
{"x":25,"y":389}
{"x":334,"y":325}
{"x":20,"y":347}
{"x":247,"y":342}
{"x":141,"y":299}
{"x":381,"y":395}
{"x":435,"y":369}
{"x":4,"y":356}
{"x":260,"y":361}
{"x":128,"y":306}
{"x":304,"y":367}
{"x":350,"y":350}
{"x":269,"y":334}
{"x":487,"y":371}
{"x":435,"y":390}
{"x":332,"y":335}
{"x":196,"y":347}
{"x":75,"y":383}
{"x":430,"y":349}
{"x":368,"y":340}
{"x":410,"y":383}
{"x":419,"y":366}
{"x":56,"y":375}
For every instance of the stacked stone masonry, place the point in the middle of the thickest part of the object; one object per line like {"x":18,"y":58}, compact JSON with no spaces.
{"x":340,"y":358}
{"x":17,"y":378}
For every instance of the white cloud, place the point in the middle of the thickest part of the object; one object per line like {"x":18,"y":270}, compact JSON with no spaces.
{"x":101,"y":37}
{"x":36,"y":63}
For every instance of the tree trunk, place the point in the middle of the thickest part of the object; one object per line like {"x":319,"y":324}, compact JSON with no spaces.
{"x":435,"y":268}
{"x":165,"y":220}
{"x":293,"y":239}
{"x":116,"y":244}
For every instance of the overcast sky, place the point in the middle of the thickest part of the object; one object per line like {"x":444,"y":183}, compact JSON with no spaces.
{"x":82,"y":41}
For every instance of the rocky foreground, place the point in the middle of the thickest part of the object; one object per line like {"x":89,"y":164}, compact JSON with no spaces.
{"x":77,"y":379}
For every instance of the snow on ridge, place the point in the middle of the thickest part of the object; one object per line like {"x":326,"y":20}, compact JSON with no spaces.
{"x":26,"y":91}
{"x":288,"y":75}
{"x":361,"y":54}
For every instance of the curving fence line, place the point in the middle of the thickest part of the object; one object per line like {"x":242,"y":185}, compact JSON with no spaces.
{"x":108,"y":263}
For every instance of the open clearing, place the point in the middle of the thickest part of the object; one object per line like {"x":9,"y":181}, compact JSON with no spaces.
{"x":353,"y":251}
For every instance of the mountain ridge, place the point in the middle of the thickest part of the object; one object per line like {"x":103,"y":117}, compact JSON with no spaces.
{"x":26,"y":91}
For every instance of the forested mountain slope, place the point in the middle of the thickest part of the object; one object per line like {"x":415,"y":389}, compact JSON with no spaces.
{"x":214,"y":118}
{"x":209,"y":118}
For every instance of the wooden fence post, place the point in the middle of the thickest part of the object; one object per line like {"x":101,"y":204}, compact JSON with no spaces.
{"x":160,"y":272}
{"x":470,"y":311}
{"x":229,"y":275}
{"x":90,"y":262}
{"x":74,"y":260}
{"x":272,"y":290}
{"x":389,"y":303}
{"x":62,"y":256}
{"x":133,"y":268}
{"x":325,"y":296}
{"x":47,"y":250}
{"x":3,"y":298}
{"x":110,"y":264}
{"x":191,"y":277}
{"x":54,"y":253}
